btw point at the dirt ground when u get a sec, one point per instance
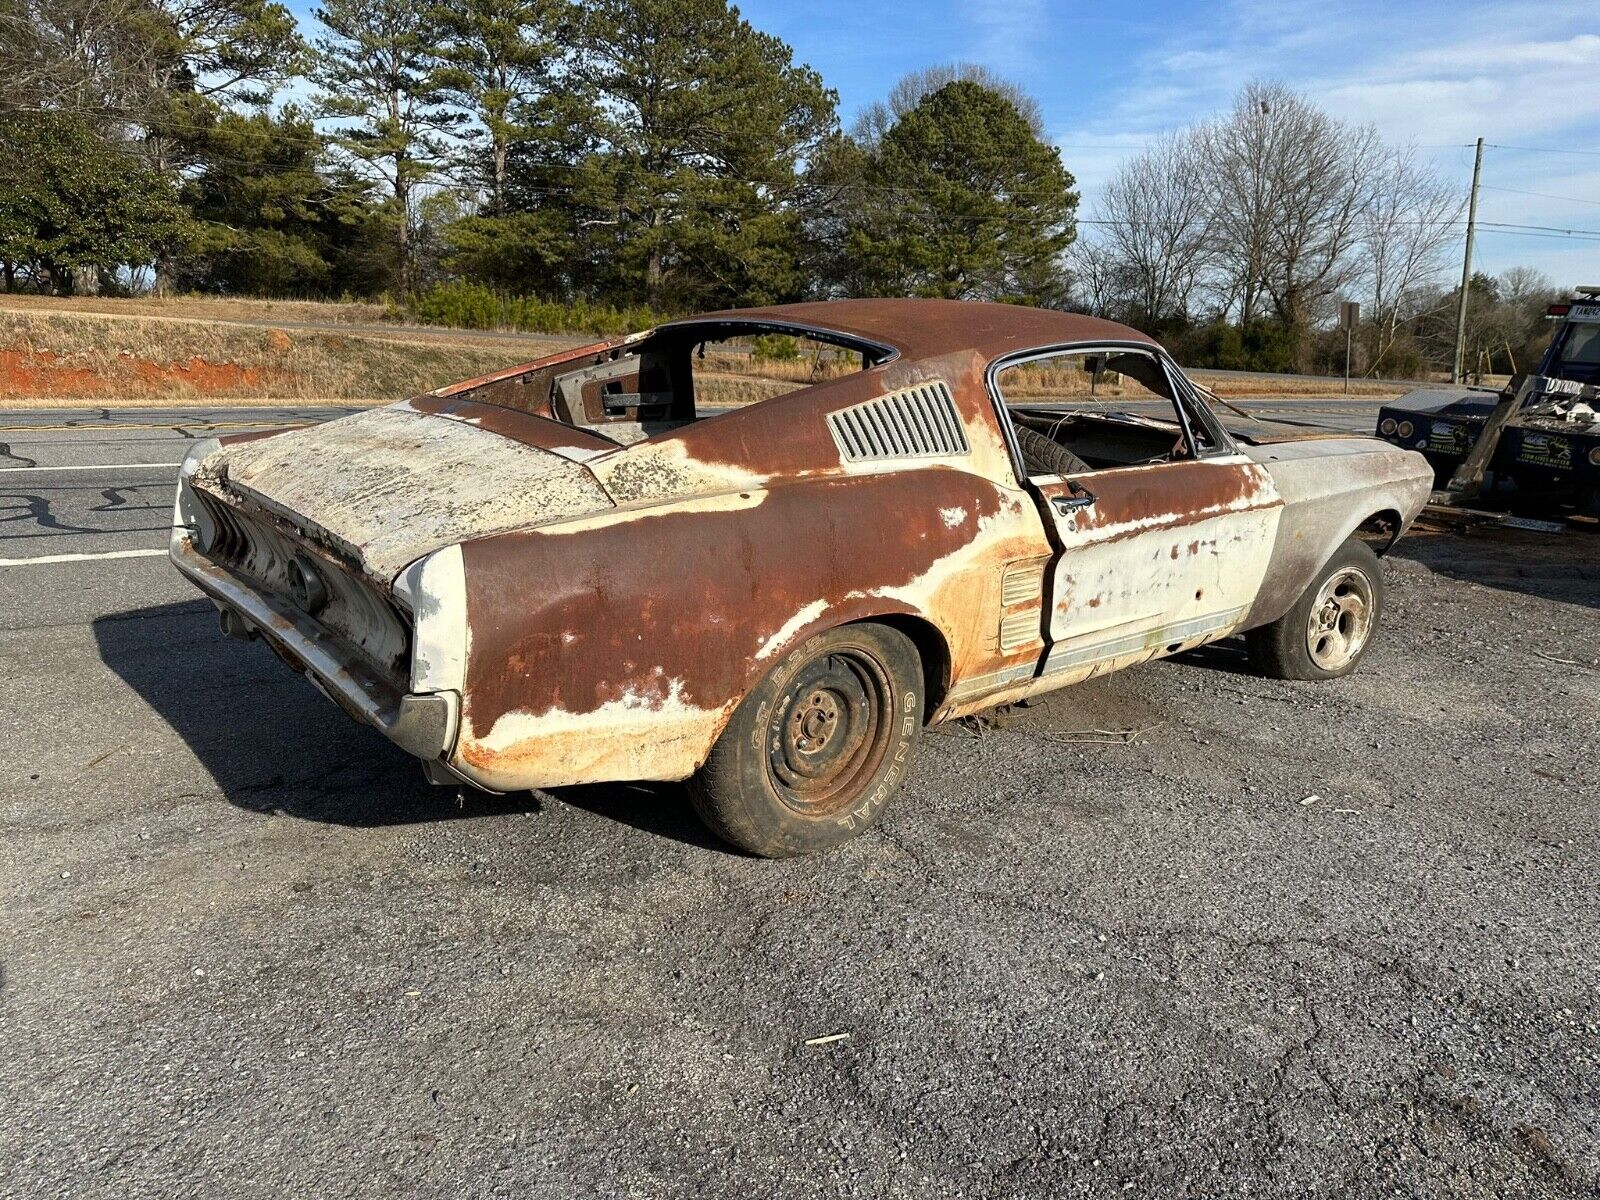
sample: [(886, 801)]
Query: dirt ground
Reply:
[(1289, 940)]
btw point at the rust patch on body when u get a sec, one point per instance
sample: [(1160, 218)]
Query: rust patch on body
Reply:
[(677, 613)]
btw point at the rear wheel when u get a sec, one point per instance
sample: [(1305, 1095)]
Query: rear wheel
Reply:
[(1328, 630), (810, 758)]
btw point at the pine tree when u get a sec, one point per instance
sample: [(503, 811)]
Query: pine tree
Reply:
[(378, 67), (503, 60), (958, 198), (702, 125), (270, 218)]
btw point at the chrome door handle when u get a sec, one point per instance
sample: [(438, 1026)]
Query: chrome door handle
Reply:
[(1081, 497)]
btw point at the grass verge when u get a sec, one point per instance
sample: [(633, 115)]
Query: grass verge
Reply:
[(50, 358)]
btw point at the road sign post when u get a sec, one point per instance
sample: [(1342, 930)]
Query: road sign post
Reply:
[(1349, 318)]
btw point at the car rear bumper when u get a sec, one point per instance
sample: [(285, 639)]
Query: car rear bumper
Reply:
[(423, 725)]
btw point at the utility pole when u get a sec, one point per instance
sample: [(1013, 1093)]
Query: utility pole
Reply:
[(1460, 375)]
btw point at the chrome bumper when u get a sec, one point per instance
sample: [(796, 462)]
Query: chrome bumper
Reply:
[(421, 725)]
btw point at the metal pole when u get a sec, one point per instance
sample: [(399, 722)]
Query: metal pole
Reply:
[(1348, 334), (1460, 375)]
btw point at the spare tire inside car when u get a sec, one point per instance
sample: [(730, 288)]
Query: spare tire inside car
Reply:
[(1045, 456)]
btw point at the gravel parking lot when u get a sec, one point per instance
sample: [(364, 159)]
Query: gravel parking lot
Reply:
[(1290, 939)]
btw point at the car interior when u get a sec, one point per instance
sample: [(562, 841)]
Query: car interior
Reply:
[(680, 374), (1085, 411), (1073, 412)]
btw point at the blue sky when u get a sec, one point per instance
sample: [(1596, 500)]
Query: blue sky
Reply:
[(1110, 76)]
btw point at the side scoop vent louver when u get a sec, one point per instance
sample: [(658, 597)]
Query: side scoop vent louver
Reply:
[(915, 422)]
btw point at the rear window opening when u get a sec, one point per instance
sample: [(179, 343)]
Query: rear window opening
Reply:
[(679, 374), (746, 368), (1581, 346)]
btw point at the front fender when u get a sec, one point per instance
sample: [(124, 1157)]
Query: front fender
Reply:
[(1330, 489)]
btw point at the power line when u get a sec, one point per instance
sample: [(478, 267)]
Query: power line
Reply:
[(1543, 229), (1489, 187), (1542, 150)]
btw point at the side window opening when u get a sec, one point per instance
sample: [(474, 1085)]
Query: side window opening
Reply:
[(1093, 410)]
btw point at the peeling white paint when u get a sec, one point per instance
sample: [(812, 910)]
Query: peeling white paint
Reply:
[(792, 626), (664, 470), (389, 485), (727, 502), (436, 589), (639, 736)]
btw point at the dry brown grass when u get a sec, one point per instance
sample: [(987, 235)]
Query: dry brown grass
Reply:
[(726, 380), (206, 308), (1234, 387), (1043, 380), (198, 349), (50, 358)]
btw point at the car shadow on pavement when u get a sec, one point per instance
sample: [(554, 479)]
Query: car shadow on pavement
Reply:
[(271, 742), (1229, 656), (1563, 567), (661, 809)]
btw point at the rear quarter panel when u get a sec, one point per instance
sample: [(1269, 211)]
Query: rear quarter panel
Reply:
[(616, 646)]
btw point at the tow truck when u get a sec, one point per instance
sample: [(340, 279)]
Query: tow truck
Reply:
[(1533, 446)]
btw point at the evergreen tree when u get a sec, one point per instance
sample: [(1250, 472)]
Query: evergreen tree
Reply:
[(958, 198), (702, 124), (378, 66), (75, 205), (502, 62), (271, 219)]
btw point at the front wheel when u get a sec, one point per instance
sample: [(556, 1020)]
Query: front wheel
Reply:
[(1328, 630), (812, 755)]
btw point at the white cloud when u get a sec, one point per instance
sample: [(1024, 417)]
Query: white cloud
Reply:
[(1515, 73), (1007, 31)]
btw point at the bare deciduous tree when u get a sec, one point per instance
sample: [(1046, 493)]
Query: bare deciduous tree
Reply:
[(877, 117), (1291, 188), (1157, 215), (1412, 218), (1101, 282)]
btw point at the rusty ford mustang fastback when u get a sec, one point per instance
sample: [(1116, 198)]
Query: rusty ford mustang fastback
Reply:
[(571, 571)]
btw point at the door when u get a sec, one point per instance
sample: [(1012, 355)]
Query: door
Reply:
[(1162, 529), (1155, 558)]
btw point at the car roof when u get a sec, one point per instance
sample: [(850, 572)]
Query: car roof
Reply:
[(924, 328)]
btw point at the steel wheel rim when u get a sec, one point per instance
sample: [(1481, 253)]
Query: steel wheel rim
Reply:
[(829, 731), (1341, 619)]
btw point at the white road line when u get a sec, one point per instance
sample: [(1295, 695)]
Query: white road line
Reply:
[(46, 559), (92, 467)]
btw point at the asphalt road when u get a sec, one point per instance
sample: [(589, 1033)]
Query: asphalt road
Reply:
[(1292, 940)]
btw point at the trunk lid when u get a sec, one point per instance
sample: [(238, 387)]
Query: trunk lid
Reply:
[(382, 488)]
